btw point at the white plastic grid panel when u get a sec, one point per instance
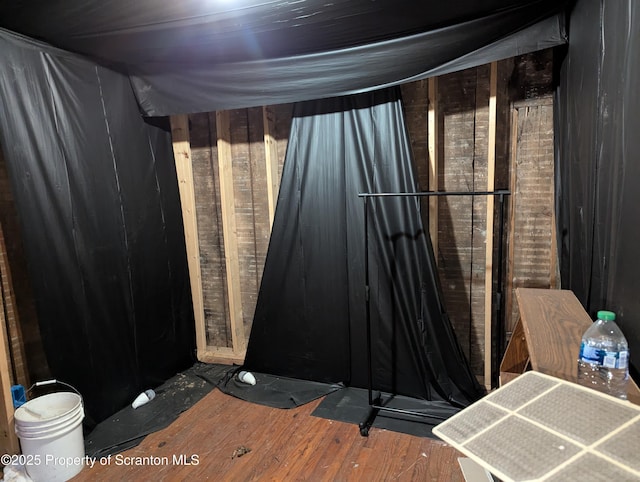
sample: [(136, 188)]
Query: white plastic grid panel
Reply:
[(538, 427)]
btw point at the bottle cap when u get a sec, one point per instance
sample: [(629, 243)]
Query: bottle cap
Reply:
[(606, 315)]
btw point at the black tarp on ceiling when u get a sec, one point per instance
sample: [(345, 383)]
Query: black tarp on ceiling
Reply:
[(598, 152), (196, 56), (310, 316), (96, 193)]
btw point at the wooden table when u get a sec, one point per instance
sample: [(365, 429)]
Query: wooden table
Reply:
[(547, 337)]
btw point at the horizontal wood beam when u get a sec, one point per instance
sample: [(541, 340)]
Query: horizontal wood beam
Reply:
[(222, 355)]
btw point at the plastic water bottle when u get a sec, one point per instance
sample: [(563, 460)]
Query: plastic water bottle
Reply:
[(603, 363)]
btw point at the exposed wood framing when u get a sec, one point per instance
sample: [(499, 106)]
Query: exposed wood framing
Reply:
[(438, 108), (488, 272), (531, 237), (222, 355), (16, 342), (235, 165), (509, 288), (8, 439), (271, 159), (182, 155), (553, 261), (225, 161), (432, 142)]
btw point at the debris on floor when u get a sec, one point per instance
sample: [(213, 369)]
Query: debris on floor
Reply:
[(240, 451)]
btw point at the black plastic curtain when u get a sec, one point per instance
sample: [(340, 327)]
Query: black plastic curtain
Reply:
[(96, 193), (598, 147), (310, 315)]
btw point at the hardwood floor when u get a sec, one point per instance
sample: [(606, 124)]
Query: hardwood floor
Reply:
[(207, 443)]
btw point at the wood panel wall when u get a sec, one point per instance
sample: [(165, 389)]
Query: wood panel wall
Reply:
[(461, 141)]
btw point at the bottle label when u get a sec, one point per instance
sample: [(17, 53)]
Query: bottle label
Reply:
[(623, 359), (608, 359)]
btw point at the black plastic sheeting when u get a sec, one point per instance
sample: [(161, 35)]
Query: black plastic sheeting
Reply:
[(162, 91), (276, 392), (598, 148), (195, 56), (96, 192), (95, 186), (149, 31), (351, 405), (129, 426), (310, 315)]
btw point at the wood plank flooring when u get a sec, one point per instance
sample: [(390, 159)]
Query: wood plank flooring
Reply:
[(206, 441)]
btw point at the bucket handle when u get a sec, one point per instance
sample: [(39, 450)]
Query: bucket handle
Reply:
[(53, 381)]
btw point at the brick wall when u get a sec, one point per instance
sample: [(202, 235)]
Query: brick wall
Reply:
[(463, 115), (251, 210)]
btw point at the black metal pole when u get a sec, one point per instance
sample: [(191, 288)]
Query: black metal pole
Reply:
[(376, 405), (499, 294), (367, 301), (499, 192), (367, 422)]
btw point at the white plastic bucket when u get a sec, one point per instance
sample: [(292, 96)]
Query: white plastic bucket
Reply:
[(50, 432)]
